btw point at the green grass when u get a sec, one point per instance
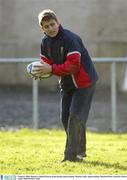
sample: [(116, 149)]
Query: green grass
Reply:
[(39, 152)]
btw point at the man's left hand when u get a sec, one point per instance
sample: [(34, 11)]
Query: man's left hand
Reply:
[(42, 69)]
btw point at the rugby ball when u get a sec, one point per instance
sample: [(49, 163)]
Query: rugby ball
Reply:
[(31, 69)]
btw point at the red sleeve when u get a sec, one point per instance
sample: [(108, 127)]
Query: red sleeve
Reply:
[(71, 65), (45, 59)]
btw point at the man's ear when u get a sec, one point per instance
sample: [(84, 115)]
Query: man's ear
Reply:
[(41, 29), (58, 21)]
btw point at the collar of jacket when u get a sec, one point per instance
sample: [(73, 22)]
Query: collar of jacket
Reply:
[(59, 34)]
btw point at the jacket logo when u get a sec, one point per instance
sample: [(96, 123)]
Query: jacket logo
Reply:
[(61, 50)]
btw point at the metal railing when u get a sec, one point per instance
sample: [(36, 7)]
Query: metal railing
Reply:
[(112, 61)]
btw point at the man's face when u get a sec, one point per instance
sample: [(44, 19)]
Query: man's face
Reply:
[(51, 27)]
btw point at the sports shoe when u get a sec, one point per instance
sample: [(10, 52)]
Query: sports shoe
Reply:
[(81, 155), (76, 159)]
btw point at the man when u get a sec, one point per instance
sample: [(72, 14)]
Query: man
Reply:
[(65, 56)]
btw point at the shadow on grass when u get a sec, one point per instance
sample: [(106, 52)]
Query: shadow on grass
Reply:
[(106, 165)]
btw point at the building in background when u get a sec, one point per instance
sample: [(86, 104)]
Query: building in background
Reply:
[(101, 24)]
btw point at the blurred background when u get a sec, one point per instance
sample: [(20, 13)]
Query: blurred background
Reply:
[(102, 26)]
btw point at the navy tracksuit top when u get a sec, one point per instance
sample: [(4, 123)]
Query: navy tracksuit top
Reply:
[(69, 60)]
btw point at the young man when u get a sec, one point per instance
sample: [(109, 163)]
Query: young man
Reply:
[(65, 56)]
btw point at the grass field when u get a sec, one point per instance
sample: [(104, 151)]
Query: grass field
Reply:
[(39, 152)]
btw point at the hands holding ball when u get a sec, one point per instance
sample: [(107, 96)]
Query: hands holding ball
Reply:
[(39, 70)]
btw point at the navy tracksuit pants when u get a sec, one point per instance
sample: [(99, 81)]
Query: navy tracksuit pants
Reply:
[(75, 106)]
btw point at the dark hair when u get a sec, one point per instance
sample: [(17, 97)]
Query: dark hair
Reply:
[(46, 15)]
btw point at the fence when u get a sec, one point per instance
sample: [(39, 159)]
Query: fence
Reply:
[(113, 63)]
